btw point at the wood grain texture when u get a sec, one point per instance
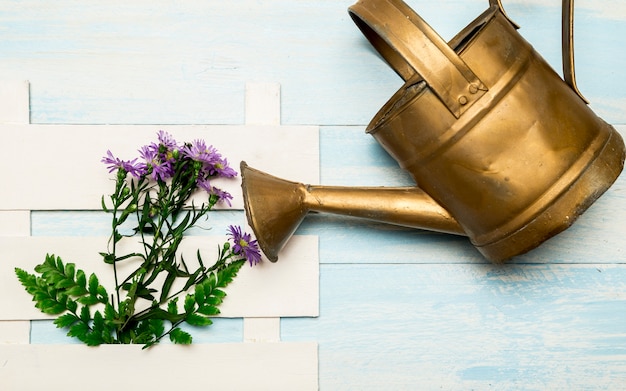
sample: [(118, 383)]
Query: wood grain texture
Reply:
[(277, 366), (163, 62), (293, 291), (60, 182), (399, 309), (462, 327)]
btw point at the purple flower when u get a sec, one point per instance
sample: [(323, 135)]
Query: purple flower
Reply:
[(222, 169), (244, 245), (222, 195), (200, 152), (158, 168), (114, 163), (212, 162), (167, 140)]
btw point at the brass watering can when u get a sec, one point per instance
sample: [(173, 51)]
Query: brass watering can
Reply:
[(502, 149)]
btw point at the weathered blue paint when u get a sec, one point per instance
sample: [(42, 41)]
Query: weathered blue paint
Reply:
[(399, 309)]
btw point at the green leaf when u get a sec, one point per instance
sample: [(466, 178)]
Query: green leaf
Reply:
[(213, 300), (71, 305), (226, 275), (50, 307), (65, 320), (109, 312), (179, 336), (59, 264), (63, 284), (93, 339), (104, 206), (76, 291), (198, 320), (93, 284), (209, 310), (156, 327), (52, 276), (78, 330), (25, 278), (108, 258), (167, 285), (172, 306), (88, 300), (190, 303), (192, 279), (199, 295), (98, 321), (70, 269), (81, 279), (85, 315), (144, 292)]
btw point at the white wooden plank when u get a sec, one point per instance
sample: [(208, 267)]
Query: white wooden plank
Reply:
[(262, 103), (287, 288), (14, 102), (261, 329), (65, 172), (14, 332), (14, 222), (258, 366)]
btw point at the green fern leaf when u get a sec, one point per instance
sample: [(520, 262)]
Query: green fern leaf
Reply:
[(226, 275), (198, 320), (172, 306), (190, 303), (65, 320), (78, 330), (209, 310), (93, 284), (179, 336)]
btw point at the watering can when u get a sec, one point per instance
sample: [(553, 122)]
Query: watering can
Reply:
[(502, 149)]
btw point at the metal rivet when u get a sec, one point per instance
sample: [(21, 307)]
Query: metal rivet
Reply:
[(463, 100), (473, 88)]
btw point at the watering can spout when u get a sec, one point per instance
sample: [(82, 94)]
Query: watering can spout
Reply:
[(275, 207)]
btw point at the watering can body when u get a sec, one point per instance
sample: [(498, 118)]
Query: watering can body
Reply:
[(502, 149), (488, 129)]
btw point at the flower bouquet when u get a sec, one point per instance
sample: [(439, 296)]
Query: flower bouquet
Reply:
[(152, 196)]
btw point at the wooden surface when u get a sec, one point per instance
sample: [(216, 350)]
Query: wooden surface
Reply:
[(398, 309)]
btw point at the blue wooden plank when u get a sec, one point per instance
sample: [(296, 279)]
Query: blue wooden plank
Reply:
[(461, 327), (163, 62), (223, 330)]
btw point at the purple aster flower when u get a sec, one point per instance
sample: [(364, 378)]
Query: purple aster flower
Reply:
[(167, 140), (158, 168), (114, 163), (222, 195), (244, 245), (200, 152), (212, 162), (221, 168)]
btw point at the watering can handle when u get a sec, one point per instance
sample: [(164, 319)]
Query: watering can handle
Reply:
[(567, 50), (449, 77), (436, 57)]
